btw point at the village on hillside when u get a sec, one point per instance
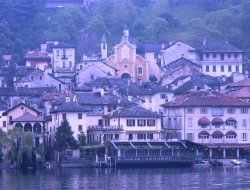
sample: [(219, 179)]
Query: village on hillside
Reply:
[(173, 92)]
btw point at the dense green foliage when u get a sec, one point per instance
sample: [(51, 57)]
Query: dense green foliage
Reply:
[(64, 137), (24, 24)]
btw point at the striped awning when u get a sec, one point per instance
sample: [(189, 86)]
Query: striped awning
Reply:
[(204, 133), (217, 133), (217, 120), (231, 119), (231, 133), (203, 121)]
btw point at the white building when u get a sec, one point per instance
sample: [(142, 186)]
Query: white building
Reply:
[(219, 122)]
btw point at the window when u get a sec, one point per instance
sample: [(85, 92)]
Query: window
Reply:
[(151, 122), (222, 68), (141, 136), (130, 136), (155, 55), (230, 110), (103, 46), (150, 136), (203, 110), (130, 122), (214, 68), (207, 55), (79, 116), (163, 96), (222, 56), (229, 68), (4, 124), (64, 116), (92, 77), (64, 64), (10, 118), (237, 69), (217, 136), (79, 127), (190, 136), (81, 67), (190, 122), (139, 70), (244, 123), (41, 77), (207, 68), (57, 52), (244, 110), (235, 55), (190, 110), (214, 55), (141, 122), (203, 136), (244, 136), (116, 136), (229, 55)]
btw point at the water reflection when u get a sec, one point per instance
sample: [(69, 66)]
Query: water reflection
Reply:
[(132, 179)]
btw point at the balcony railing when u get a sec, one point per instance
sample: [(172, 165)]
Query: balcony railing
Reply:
[(219, 127), (105, 128)]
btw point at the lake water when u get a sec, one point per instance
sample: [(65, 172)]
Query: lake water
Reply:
[(128, 179)]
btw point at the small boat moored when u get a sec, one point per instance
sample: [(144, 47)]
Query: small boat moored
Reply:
[(235, 162)]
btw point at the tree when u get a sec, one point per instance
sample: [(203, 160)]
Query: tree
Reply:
[(3, 142), (82, 139), (158, 29), (64, 137), (9, 76)]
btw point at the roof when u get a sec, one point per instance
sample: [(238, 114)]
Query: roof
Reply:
[(206, 99), (133, 111), (104, 40), (24, 91), (179, 63), (3, 106), (186, 83), (21, 104), (85, 98), (242, 83), (37, 55), (243, 92), (7, 57), (149, 88), (63, 45), (218, 47), (69, 107), (28, 117)]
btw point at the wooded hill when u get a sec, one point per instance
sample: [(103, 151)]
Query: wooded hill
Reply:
[(24, 24)]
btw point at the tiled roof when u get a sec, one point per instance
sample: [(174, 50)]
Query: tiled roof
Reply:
[(179, 63), (28, 117), (133, 111), (53, 96), (63, 45), (218, 47), (7, 57), (3, 106), (243, 92), (98, 99), (206, 99), (24, 91), (150, 88), (198, 82), (242, 83), (38, 55), (21, 104), (69, 107)]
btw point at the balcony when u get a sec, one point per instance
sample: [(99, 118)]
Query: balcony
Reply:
[(105, 128), (220, 127)]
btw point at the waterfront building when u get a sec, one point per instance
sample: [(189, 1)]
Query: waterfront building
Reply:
[(210, 118), (37, 59)]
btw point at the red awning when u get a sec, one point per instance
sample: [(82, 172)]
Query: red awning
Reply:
[(204, 133), (203, 121), (231, 119), (217, 120), (217, 133), (231, 133)]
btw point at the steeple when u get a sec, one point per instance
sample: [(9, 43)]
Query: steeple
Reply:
[(125, 34), (104, 48)]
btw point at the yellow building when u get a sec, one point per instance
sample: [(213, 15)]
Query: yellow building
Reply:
[(127, 62)]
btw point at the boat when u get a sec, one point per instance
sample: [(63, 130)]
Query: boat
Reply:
[(215, 163), (235, 162)]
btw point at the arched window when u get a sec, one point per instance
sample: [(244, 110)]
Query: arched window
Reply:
[(37, 128), (19, 125), (27, 127)]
